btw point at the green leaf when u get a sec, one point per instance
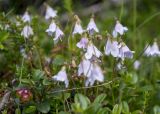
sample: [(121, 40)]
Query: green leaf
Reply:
[(76, 107), (43, 107), (38, 74), (103, 111), (1, 46), (17, 111), (58, 60), (29, 110), (117, 109), (46, 82), (3, 36), (93, 108), (131, 78), (100, 98), (26, 81), (82, 100), (125, 107)]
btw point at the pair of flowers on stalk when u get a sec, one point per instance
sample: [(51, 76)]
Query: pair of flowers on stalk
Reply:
[(27, 30), (89, 65), (26, 18), (152, 50)]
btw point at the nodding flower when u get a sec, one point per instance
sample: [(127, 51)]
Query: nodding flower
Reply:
[(27, 31), (92, 51), (119, 28), (26, 17), (154, 51), (91, 70), (52, 28), (62, 76), (77, 28), (112, 48), (58, 34), (96, 74), (82, 43), (124, 51), (92, 26), (50, 12), (85, 67)]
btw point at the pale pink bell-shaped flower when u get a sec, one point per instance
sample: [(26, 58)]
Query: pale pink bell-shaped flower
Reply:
[(85, 68), (62, 77), (82, 43), (26, 17), (136, 64), (27, 31), (50, 13), (112, 48), (125, 52), (119, 28), (92, 51), (92, 26), (154, 51), (52, 28), (96, 74), (58, 34)]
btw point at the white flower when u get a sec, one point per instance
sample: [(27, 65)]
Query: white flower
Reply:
[(112, 48), (62, 77), (92, 51), (90, 70), (96, 74), (58, 34), (52, 28), (82, 43), (125, 52), (26, 17), (77, 29), (147, 50), (136, 64), (154, 51), (92, 26), (85, 68), (27, 31), (119, 28), (50, 13)]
